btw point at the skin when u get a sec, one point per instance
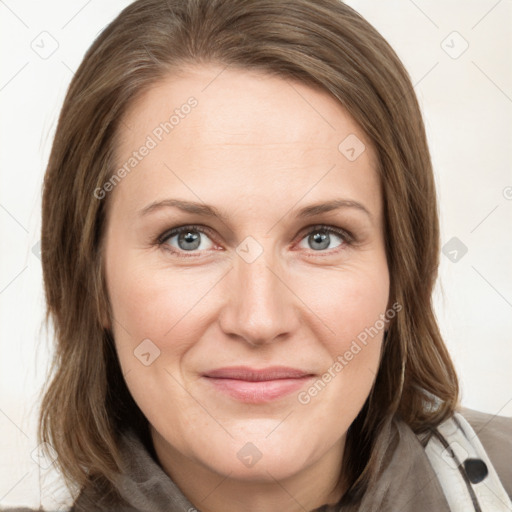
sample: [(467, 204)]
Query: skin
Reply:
[(258, 148)]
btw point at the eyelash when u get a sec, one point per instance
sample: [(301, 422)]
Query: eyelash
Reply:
[(346, 236)]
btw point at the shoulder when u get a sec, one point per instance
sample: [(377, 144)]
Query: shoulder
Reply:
[(28, 509), (470, 453), (495, 434)]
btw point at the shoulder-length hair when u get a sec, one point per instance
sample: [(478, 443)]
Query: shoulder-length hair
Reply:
[(322, 43)]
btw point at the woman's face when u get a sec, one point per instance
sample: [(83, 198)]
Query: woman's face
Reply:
[(263, 284)]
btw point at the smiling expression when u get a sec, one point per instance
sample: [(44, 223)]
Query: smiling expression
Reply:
[(280, 263)]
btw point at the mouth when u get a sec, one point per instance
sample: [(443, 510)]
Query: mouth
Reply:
[(254, 386)]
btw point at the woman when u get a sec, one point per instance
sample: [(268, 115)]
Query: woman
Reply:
[(240, 242)]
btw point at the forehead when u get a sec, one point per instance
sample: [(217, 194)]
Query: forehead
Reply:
[(247, 130)]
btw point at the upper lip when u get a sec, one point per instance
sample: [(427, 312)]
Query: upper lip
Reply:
[(255, 375)]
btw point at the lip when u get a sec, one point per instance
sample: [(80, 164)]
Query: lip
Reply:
[(251, 385)]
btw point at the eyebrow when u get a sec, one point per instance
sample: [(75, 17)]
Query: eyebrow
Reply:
[(211, 211)]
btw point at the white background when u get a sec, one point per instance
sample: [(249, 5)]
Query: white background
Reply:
[(467, 105)]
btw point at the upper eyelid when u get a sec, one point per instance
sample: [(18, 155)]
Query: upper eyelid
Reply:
[(176, 231), (208, 231)]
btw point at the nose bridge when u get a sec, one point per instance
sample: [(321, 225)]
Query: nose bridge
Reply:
[(259, 306)]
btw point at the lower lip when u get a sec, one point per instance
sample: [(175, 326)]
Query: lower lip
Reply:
[(258, 392)]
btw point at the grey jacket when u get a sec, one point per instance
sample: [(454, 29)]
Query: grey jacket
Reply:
[(412, 474)]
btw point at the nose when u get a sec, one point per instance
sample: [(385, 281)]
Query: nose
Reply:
[(260, 306)]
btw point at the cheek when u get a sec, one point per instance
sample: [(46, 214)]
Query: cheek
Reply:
[(164, 305), (351, 302), (353, 307), (154, 313), (357, 310)]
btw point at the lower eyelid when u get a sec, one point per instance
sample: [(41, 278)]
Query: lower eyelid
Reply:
[(345, 236)]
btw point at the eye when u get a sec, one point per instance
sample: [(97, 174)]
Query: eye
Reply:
[(320, 237), (187, 239), (194, 239)]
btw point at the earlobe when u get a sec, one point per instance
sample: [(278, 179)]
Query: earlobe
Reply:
[(104, 314), (103, 303), (105, 323)]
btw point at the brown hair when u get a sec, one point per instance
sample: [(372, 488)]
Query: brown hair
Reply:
[(322, 43)]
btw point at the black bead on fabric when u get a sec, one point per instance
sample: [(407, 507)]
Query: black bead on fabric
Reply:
[(476, 469)]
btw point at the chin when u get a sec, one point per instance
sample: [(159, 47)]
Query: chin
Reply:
[(260, 459)]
